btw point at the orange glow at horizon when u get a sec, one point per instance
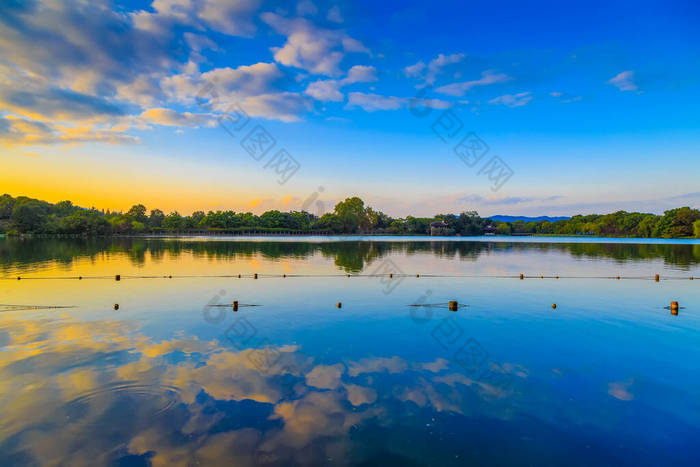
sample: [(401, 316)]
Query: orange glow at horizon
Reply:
[(118, 185)]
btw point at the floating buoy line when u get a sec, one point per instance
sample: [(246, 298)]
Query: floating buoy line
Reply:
[(4, 307), (452, 305), (391, 275)]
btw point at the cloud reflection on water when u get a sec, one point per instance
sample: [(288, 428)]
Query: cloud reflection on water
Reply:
[(67, 398)]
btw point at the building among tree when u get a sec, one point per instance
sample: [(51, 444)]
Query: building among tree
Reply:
[(438, 228)]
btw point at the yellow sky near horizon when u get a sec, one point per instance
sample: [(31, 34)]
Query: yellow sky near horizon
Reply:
[(106, 183)]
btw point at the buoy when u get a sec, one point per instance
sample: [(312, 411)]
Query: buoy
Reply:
[(339, 305), (19, 278), (691, 278), (521, 277), (390, 275), (348, 275), (554, 306), (453, 305), (255, 276), (674, 305), (284, 275), (118, 277), (116, 306), (235, 305), (656, 278), (80, 278), (617, 277), (556, 277), (541, 277), (170, 277), (239, 276), (417, 275)]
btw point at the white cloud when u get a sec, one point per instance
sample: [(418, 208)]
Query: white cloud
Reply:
[(232, 17), (15, 131), (143, 90), (329, 90), (487, 77), (325, 90), (334, 14), (432, 69), (169, 117), (373, 102), (513, 100), (85, 66), (624, 81), (284, 106), (414, 71), (316, 50), (251, 79), (228, 83), (361, 74)]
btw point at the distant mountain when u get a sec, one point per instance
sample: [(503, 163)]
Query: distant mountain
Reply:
[(527, 219)]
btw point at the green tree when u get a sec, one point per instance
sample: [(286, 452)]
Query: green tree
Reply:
[(64, 208), (329, 222), (137, 213), (271, 219), (352, 214), (7, 202), (155, 220), (84, 221), (174, 222), (196, 218), (647, 225), (696, 228), (503, 228), (677, 223), (28, 216)]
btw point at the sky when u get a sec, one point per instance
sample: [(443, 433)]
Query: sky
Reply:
[(420, 108)]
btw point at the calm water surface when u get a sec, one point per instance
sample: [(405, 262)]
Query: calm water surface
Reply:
[(176, 377)]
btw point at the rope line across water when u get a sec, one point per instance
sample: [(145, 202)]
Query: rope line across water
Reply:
[(388, 276)]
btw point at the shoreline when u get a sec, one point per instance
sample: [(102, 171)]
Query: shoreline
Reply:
[(311, 238)]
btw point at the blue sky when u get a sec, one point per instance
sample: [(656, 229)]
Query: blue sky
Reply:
[(589, 106)]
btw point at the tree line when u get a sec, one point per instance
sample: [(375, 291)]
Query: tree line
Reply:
[(23, 215), (675, 223)]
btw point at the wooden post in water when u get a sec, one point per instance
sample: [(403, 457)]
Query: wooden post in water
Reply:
[(235, 305), (656, 278)]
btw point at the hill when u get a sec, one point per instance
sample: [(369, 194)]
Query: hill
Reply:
[(501, 218)]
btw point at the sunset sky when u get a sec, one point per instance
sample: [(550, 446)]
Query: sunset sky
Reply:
[(593, 107)]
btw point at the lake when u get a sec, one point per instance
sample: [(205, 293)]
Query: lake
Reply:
[(330, 361)]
